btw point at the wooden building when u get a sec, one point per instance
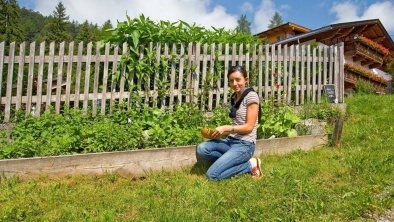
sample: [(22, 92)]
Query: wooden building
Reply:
[(367, 45), (282, 32)]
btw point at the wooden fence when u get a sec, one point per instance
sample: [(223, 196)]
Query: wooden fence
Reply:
[(174, 74)]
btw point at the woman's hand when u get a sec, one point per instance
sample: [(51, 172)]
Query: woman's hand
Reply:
[(221, 130)]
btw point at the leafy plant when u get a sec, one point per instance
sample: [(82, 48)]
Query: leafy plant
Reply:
[(364, 87), (277, 120)]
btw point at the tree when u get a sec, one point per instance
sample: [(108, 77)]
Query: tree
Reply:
[(104, 29), (56, 28), (243, 25), (32, 25), (10, 29), (275, 21), (88, 33)]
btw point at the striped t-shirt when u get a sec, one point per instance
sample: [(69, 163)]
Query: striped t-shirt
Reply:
[(240, 118)]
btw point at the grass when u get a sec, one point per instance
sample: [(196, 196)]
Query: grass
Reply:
[(329, 184)]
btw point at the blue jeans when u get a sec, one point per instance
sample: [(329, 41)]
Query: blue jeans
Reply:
[(229, 156)]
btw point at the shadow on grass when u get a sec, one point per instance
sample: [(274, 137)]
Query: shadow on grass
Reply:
[(200, 168)]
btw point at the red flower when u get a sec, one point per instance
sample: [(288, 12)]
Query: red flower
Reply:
[(365, 72), (373, 44)]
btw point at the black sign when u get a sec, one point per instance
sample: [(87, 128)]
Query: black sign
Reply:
[(329, 90)]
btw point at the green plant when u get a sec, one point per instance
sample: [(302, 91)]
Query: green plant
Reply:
[(364, 87), (277, 120)]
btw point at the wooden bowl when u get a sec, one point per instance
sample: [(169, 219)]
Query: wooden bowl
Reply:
[(207, 133)]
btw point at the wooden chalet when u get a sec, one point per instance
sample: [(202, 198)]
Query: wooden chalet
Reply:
[(367, 46), (282, 32)]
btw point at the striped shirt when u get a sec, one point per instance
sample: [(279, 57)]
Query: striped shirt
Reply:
[(240, 117)]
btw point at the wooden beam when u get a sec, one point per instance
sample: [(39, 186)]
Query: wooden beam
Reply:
[(361, 29), (347, 32), (375, 65), (379, 39), (331, 36), (366, 62)]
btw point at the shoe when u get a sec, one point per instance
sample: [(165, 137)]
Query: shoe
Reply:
[(256, 170)]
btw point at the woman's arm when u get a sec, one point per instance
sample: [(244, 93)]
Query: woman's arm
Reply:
[(251, 117)]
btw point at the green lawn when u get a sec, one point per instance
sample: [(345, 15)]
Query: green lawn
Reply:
[(327, 184)]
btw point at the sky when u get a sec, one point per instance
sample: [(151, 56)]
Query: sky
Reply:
[(312, 14)]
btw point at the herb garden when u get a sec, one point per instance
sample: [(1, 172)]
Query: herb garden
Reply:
[(154, 95)]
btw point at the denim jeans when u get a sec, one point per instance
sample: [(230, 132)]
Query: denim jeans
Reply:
[(229, 156)]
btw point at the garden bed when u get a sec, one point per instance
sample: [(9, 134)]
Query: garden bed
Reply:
[(137, 162)]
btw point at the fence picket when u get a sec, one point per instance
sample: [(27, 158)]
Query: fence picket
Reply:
[(266, 83), (78, 77), (272, 76), (30, 76), (297, 77), (218, 83), (260, 72), (180, 81), (331, 61), (172, 80), (105, 79), (96, 79), (123, 74), (302, 74), (69, 72), (50, 74), (7, 111), (290, 77), (314, 76), (19, 84), (308, 72), (39, 78), (113, 78), (225, 85), (325, 61), (189, 84), (211, 74), (319, 77), (87, 78), (204, 77), (59, 77), (285, 72)]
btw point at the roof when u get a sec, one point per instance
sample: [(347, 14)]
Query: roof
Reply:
[(280, 28), (372, 29)]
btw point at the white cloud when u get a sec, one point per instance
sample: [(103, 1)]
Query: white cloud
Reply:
[(348, 11), (247, 7), (98, 11), (263, 16)]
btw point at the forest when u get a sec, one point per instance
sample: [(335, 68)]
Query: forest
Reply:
[(18, 24)]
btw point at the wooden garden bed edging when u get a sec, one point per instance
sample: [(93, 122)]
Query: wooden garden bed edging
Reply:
[(137, 162)]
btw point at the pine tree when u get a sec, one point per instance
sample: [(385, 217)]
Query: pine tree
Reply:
[(104, 29), (275, 21), (10, 29), (243, 25), (88, 33), (56, 28)]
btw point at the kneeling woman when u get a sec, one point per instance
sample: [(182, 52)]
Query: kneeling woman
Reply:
[(233, 155)]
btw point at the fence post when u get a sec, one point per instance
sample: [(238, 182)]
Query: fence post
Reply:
[(341, 73)]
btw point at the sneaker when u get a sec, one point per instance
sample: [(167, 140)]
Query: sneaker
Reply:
[(256, 170)]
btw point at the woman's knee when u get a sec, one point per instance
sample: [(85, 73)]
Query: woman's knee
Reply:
[(201, 149)]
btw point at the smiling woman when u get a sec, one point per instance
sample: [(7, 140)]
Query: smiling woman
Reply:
[(233, 155)]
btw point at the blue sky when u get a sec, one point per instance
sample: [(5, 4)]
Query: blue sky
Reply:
[(224, 13)]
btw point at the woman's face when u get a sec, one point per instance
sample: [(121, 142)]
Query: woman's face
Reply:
[(237, 81)]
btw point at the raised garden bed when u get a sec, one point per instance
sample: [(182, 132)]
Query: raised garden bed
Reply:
[(138, 162)]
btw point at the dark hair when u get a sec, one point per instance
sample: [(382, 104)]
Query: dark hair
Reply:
[(238, 68)]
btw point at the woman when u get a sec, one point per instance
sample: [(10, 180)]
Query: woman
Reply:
[(232, 155)]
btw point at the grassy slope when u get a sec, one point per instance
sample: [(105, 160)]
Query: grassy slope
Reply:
[(327, 184)]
